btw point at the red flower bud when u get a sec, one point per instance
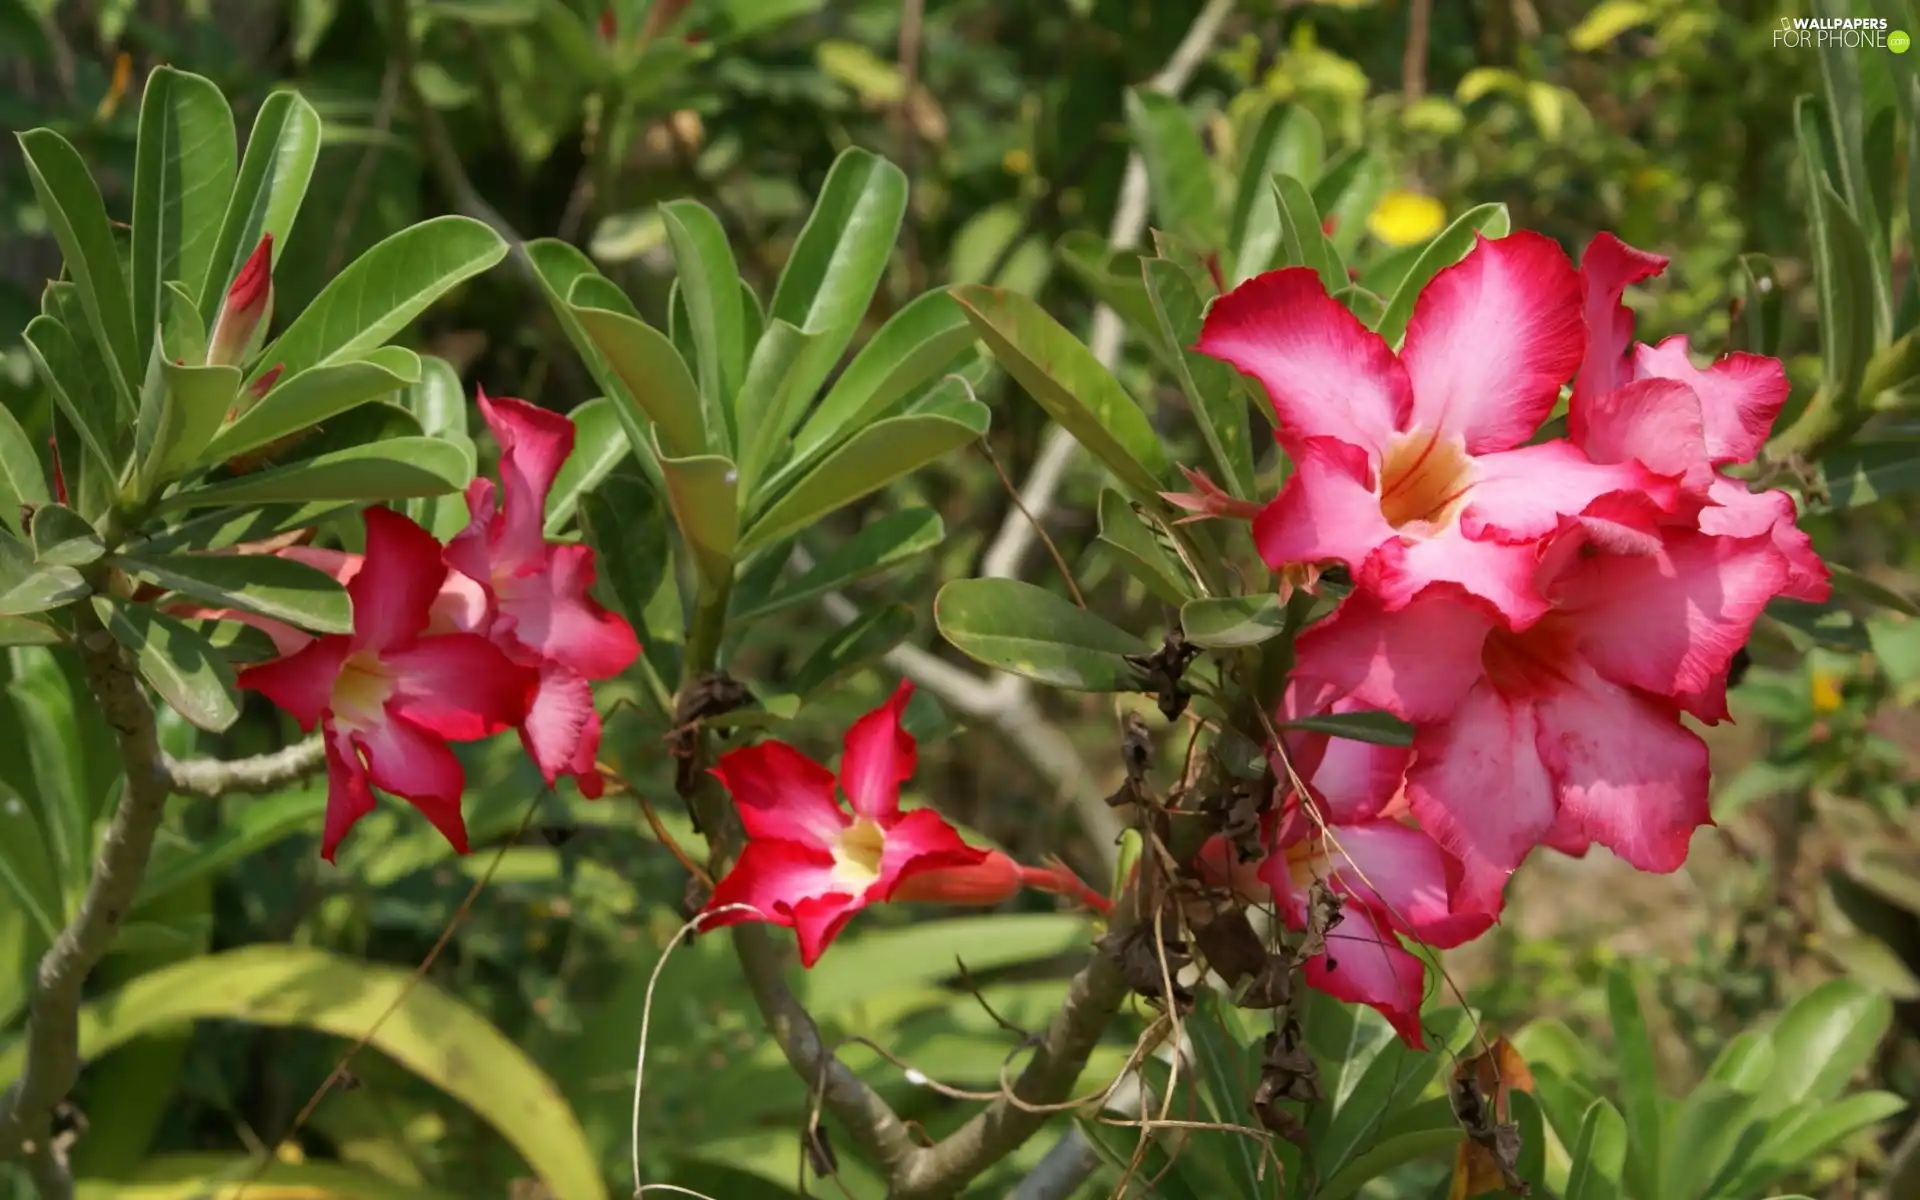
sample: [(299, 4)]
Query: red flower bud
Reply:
[(242, 323), (1208, 500), (59, 476), (609, 24)]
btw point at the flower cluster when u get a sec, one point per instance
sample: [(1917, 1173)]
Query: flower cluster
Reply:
[(494, 631), (1541, 611)]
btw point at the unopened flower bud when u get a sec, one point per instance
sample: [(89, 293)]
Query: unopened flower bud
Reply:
[(242, 323), (1208, 499)]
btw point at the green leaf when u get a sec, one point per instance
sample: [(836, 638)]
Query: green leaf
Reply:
[(1710, 1123), (197, 1176), (1757, 329), (1852, 114), (599, 443), (1306, 243), (1852, 582), (26, 872), (1366, 307), (1452, 244), (243, 831), (183, 174), (1288, 141), (1388, 1154), (44, 588), (896, 960), (628, 528), (850, 648), (382, 291), (1220, 1043), (179, 664), (768, 404), (597, 291), (25, 631), (1639, 1087), (1382, 729), (1843, 275), (429, 1032), (885, 543), (1599, 1156), (1064, 377), (1820, 1041), (1113, 278), (395, 469), (1141, 552), (917, 343), (22, 479), (315, 395), (654, 376), (1212, 387), (1347, 194), (263, 584), (837, 264), (1860, 475), (871, 459), (1028, 631), (709, 282), (78, 216), (62, 537), (65, 375), (181, 408), (1178, 169), (1233, 622), (705, 496), (266, 196), (1797, 1138)]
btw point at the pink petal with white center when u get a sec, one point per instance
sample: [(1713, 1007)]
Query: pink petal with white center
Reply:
[(1418, 663), (562, 730), (1479, 788), (1327, 509), (348, 795), (533, 445), (1737, 511), (1491, 340), (1670, 622), (1626, 773), (781, 793), (1365, 964), (394, 589), (417, 766), (1656, 422), (920, 841), (555, 617), (302, 683), (459, 686), (1498, 573), (1326, 373), (1740, 395), (1402, 874), (1608, 267), (1521, 495), (878, 758)]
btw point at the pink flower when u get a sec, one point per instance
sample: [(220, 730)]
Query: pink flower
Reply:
[(996, 878), (242, 321), (388, 697), (1412, 469), (537, 607), (809, 864), (1568, 731)]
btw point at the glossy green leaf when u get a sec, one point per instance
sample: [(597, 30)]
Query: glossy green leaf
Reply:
[(1305, 241), (1639, 1085), (43, 588), (395, 469), (313, 396), (1212, 387), (628, 527), (93, 417), (78, 218), (1233, 622), (871, 459), (183, 174), (1383, 1157), (1064, 377), (1288, 141), (653, 374), (768, 402), (1113, 278), (705, 496), (429, 1032), (281, 150), (62, 537), (917, 343), (1853, 105), (1028, 631), (1861, 587), (1141, 552), (1821, 1040), (599, 443), (1709, 1124), (26, 631), (709, 282), (203, 1176), (1449, 247), (1179, 173), (382, 291), (852, 647), (1797, 1138), (244, 831), (1599, 1156), (1843, 275), (263, 584), (1228, 1071), (22, 479), (888, 541), (1382, 729), (188, 673), (922, 954), (27, 878), (1860, 475), (597, 291), (181, 408), (837, 265), (1347, 194)]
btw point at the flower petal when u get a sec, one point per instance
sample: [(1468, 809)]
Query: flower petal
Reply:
[(417, 766), (1740, 395), (781, 793), (348, 796), (1626, 773), (1326, 510), (1417, 663), (1520, 495), (1351, 780), (302, 683), (1326, 373), (878, 758), (920, 841), (533, 445), (555, 617), (1365, 964), (1737, 511), (562, 729), (1656, 422), (773, 877), (817, 922), (1402, 874), (1499, 573), (1608, 267), (394, 589), (459, 686), (993, 879), (1491, 340)]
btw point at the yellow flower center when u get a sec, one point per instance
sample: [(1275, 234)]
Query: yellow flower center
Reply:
[(1423, 483), (856, 854), (360, 694)]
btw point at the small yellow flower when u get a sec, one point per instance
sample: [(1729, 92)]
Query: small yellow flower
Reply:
[(1017, 161), (290, 1152), (1404, 218), (1824, 691)]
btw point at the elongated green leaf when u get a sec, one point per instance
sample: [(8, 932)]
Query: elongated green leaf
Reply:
[(1178, 170), (382, 291), (768, 402), (315, 395), (27, 876), (871, 459), (917, 343), (1452, 244), (838, 263), (1027, 630), (245, 831), (1305, 241), (1843, 269), (181, 408), (1856, 97), (63, 537), (1231, 622), (22, 479), (182, 178), (1382, 729), (709, 282), (1140, 551), (257, 583), (1599, 1156), (1391, 1152), (1220, 1043), (26, 631), (188, 673), (628, 527), (391, 470), (202, 1176), (61, 368), (1060, 373), (887, 542), (653, 376), (910, 958), (266, 195), (44, 587), (1113, 278), (1799, 1136), (1212, 387), (848, 649), (705, 495), (599, 443), (1347, 194), (1820, 1041), (1639, 1088), (597, 291), (428, 1032), (1288, 141)]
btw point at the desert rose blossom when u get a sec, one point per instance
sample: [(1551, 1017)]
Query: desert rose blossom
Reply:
[(810, 864), (1568, 731), (1412, 468), (537, 607), (996, 878), (388, 697), (241, 324)]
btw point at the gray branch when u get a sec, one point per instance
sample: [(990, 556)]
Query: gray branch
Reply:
[(247, 776)]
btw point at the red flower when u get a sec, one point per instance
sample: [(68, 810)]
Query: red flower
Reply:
[(537, 607), (388, 697), (242, 322), (809, 864), (995, 878)]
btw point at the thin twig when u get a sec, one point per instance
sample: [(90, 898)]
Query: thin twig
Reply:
[(363, 173), (1413, 64), (1013, 494)]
